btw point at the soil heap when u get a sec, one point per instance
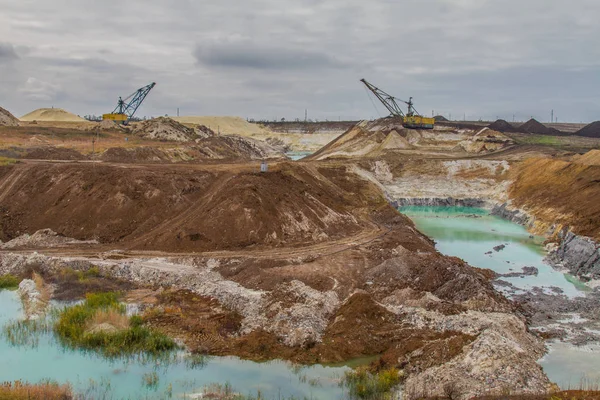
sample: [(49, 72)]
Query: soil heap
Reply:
[(366, 139), (163, 128), (537, 128), (225, 125), (502, 126), (7, 119), (51, 114), (592, 157), (440, 118), (591, 130)]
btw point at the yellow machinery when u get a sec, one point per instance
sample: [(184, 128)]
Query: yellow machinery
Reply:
[(412, 119), (126, 108)]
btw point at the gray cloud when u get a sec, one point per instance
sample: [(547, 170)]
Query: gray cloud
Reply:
[(7, 52), (276, 58), (251, 55)]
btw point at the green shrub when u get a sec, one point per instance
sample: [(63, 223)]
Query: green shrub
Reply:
[(72, 328), (9, 281), (362, 384)]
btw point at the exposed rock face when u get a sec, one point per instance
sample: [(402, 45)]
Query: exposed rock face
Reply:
[(442, 202), (579, 254), (513, 215)]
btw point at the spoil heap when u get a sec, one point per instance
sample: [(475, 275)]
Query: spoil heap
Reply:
[(163, 128), (592, 157), (440, 118), (366, 139), (537, 128), (51, 115), (7, 119), (225, 125), (591, 130), (502, 126)]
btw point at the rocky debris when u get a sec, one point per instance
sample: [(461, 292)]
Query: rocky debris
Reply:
[(486, 140), (34, 302), (499, 248), (579, 254), (109, 125), (508, 213), (502, 126), (440, 118), (592, 130), (441, 202), (537, 128), (7, 119), (237, 147), (44, 238), (503, 355), (163, 128), (526, 271), (204, 132)]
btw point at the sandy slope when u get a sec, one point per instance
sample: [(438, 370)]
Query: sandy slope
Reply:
[(51, 114)]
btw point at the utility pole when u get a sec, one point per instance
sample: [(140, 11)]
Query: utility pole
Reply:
[(178, 111), (305, 115), (552, 116)]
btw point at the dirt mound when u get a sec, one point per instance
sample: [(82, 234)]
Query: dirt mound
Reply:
[(591, 130), (366, 139), (108, 125), (537, 128), (502, 126), (592, 157), (225, 125), (440, 118), (163, 128), (41, 238), (51, 114), (236, 147), (7, 119), (559, 193), (174, 208), (133, 155), (54, 153)]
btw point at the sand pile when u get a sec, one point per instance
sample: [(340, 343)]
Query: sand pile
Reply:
[(502, 126), (592, 157), (537, 128), (51, 114), (7, 119), (591, 130), (225, 125), (163, 128)]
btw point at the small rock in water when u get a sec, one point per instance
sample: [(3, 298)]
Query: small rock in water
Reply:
[(489, 252), (499, 247)]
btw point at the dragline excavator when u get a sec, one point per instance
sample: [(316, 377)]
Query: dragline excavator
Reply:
[(127, 107), (412, 119)]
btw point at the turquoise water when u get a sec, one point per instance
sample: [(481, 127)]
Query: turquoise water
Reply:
[(298, 155), (471, 234), (124, 379)]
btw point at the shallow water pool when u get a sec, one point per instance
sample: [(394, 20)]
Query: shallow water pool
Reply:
[(471, 234), (99, 377)]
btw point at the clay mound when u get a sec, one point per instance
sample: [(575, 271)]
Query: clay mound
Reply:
[(592, 157), (183, 208), (225, 125), (591, 130), (108, 125), (163, 128), (502, 126), (133, 155), (440, 118), (537, 128), (236, 147), (54, 153), (7, 119), (51, 114)]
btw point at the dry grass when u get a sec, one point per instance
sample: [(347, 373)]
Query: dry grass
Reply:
[(25, 391), (109, 316), (44, 289)]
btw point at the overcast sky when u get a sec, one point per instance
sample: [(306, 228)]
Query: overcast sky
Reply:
[(276, 58)]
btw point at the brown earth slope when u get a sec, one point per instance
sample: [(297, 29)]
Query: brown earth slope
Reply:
[(7, 119), (175, 209), (559, 193)]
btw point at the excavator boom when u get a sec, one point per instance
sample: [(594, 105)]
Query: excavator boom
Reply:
[(126, 108)]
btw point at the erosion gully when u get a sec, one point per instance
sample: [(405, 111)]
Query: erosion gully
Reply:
[(487, 241)]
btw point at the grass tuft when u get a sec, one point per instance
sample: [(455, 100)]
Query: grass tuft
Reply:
[(9, 281), (100, 324), (362, 384), (48, 390)]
